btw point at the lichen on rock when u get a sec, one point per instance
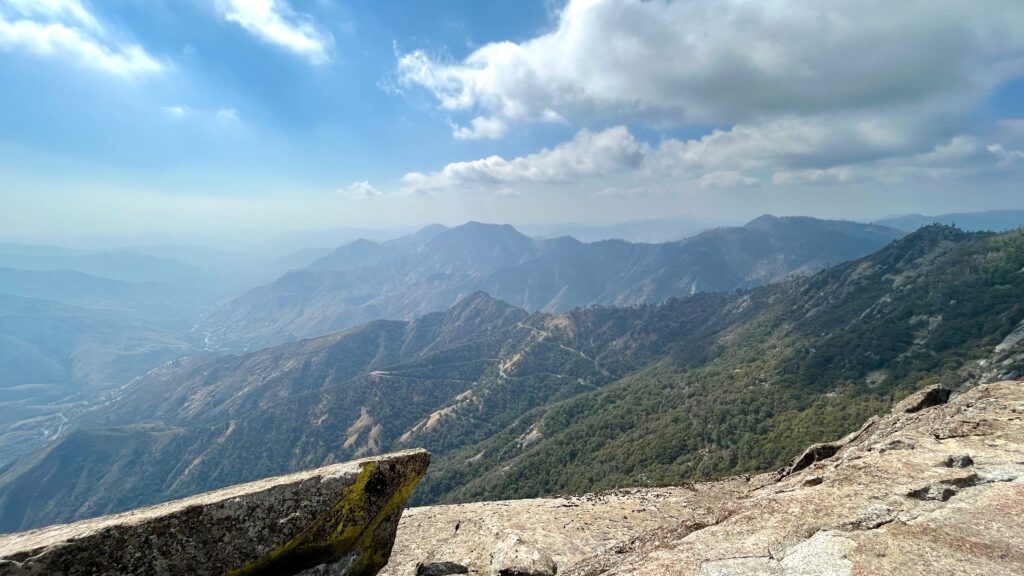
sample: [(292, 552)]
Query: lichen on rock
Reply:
[(338, 520)]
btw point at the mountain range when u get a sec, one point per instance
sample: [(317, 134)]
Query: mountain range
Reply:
[(79, 323), (515, 403), (434, 268), (991, 220)]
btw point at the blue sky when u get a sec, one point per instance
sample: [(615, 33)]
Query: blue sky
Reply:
[(133, 116)]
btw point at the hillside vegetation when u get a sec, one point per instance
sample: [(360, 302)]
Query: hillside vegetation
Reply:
[(514, 404)]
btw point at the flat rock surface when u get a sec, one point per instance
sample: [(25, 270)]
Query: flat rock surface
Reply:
[(351, 508), (938, 491), (932, 489), (566, 529)]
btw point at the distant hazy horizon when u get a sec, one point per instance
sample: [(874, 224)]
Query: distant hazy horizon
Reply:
[(283, 242)]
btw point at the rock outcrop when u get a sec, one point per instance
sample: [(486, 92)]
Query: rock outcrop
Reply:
[(474, 536), (337, 520), (935, 488), (930, 490)]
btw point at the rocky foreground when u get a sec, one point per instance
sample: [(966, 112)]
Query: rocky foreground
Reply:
[(934, 488), (337, 520)]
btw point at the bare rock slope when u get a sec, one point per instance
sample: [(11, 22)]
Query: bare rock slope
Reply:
[(340, 520), (565, 529), (934, 488)]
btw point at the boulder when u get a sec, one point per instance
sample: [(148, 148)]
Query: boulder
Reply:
[(441, 569), (336, 520), (931, 396), (814, 453), (515, 557)]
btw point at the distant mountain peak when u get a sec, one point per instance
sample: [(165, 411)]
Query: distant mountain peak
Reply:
[(363, 242), (475, 227), (476, 299), (762, 220), (990, 220)]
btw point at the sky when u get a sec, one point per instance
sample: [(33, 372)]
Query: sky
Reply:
[(253, 116)]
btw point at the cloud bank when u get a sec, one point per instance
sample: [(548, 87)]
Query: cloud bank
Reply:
[(731, 61), (821, 92)]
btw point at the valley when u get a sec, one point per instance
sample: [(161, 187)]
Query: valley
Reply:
[(517, 404)]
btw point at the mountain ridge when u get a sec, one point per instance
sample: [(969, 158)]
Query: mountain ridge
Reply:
[(518, 404), (553, 275)]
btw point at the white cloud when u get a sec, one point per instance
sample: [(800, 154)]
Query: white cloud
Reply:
[(784, 153), (1006, 157), (208, 115), (960, 157), (275, 22), (588, 154), (481, 127), (227, 114), (726, 179), (360, 191), (793, 142), (61, 10), (66, 28), (835, 175), (177, 111), (733, 61)]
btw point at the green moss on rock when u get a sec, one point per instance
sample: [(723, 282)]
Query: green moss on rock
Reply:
[(347, 531)]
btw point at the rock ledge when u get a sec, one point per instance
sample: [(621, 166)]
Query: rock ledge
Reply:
[(340, 519)]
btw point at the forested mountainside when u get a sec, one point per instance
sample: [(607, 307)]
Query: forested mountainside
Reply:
[(777, 368), (514, 404), (432, 269)]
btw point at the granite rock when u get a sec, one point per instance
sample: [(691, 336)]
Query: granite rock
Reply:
[(567, 529), (514, 556), (336, 520), (933, 490)]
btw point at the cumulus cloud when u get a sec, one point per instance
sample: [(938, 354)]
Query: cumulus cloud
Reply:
[(360, 191), (479, 128), (65, 28), (732, 61), (587, 155), (796, 142), (275, 22), (961, 156), (786, 153)]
